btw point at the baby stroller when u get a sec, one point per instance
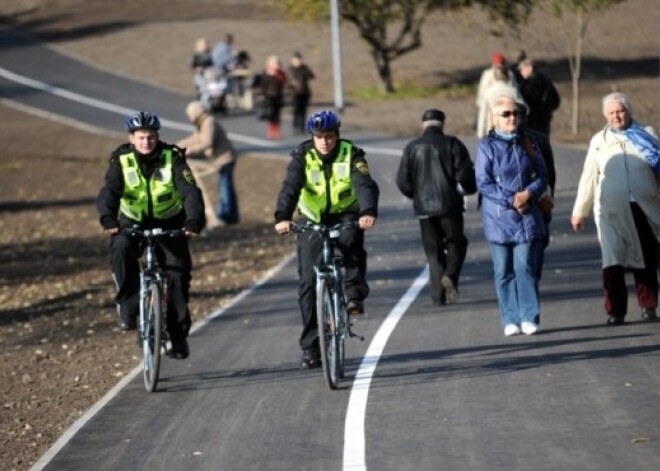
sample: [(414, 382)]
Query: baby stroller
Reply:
[(212, 88)]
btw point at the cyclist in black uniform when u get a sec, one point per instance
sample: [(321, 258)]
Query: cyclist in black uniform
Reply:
[(328, 181), (149, 184)]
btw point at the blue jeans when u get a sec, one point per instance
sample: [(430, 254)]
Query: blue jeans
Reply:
[(227, 201), (516, 281)]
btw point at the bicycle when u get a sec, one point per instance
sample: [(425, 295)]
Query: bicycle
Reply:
[(152, 330), (331, 314)]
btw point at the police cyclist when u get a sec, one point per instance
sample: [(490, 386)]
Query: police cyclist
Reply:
[(148, 184), (328, 182)]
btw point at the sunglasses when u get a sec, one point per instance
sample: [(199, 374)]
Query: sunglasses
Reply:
[(508, 114)]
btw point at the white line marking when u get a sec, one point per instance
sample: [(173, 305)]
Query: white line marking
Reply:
[(354, 435), (121, 110), (87, 416)]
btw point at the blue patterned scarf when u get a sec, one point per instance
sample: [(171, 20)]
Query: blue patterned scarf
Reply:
[(645, 143)]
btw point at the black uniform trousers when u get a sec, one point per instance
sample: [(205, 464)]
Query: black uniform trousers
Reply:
[(310, 245), (174, 258), (445, 246), (300, 104)]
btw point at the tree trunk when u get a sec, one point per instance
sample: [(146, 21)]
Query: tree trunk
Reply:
[(576, 70), (384, 67)]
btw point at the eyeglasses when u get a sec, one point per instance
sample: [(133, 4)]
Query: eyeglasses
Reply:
[(508, 114)]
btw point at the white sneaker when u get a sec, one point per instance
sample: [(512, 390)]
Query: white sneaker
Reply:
[(529, 328), (511, 329)]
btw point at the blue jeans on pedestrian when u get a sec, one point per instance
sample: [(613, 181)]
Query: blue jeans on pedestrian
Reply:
[(227, 200), (516, 281)]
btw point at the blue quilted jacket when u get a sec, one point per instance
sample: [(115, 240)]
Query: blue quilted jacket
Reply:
[(502, 169)]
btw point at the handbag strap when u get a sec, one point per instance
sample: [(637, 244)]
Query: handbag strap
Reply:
[(529, 147)]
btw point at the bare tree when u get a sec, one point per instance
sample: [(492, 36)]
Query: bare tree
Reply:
[(392, 28), (583, 11)]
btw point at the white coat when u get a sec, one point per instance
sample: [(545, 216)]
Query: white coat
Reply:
[(614, 174)]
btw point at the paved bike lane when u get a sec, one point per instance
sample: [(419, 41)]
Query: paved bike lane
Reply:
[(449, 392)]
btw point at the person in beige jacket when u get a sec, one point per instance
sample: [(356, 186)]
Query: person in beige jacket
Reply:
[(620, 186), (209, 150)]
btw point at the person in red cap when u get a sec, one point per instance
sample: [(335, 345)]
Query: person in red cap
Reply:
[(496, 79), (498, 59)]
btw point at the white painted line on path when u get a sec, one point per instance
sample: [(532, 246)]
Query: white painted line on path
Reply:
[(87, 416), (354, 434), (121, 110)]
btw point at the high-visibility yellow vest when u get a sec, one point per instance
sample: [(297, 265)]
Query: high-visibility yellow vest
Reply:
[(321, 196), (157, 197)]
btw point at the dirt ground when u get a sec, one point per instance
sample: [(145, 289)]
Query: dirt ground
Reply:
[(60, 347)]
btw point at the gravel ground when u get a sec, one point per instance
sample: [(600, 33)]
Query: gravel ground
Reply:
[(60, 347)]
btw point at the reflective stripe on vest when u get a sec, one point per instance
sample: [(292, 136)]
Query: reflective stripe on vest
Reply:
[(318, 196), (157, 198)]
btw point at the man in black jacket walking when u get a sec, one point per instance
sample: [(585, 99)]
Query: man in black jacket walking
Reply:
[(436, 173)]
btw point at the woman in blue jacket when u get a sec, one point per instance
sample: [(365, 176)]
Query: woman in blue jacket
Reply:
[(510, 182)]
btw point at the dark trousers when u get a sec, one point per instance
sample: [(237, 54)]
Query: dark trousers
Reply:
[(300, 104), (646, 279), (351, 245), (445, 246), (174, 257)]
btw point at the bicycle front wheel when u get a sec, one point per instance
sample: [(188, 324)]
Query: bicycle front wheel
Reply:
[(341, 332), (328, 338), (151, 336)]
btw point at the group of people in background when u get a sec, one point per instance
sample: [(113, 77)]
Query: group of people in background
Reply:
[(222, 79), (526, 83)]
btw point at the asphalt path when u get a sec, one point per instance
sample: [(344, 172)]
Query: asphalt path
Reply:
[(429, 388)]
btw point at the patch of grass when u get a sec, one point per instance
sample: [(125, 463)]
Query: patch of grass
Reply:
[(6, 167), (408, 91)]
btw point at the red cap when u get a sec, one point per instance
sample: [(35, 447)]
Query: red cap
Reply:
[(497, 59)]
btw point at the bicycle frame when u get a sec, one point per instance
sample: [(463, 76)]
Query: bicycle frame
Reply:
[(331, 315), (152, 332)]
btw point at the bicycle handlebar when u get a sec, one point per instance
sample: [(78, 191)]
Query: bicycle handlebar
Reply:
[(153, 233), (322, 228)]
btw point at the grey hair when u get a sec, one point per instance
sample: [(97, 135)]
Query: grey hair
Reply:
[(497, 103), (617, 97)]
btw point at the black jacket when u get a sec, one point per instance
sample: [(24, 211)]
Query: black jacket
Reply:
[(431, 168), (107, 202), (365, 186), (541, 96)]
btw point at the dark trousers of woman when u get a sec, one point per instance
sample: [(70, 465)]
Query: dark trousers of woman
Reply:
[(310, 244), (646, 279), (300, 104), (174, 257), (445, 246)]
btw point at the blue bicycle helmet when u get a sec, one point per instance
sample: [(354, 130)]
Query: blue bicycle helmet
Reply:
[(143, 120), (323, 121)]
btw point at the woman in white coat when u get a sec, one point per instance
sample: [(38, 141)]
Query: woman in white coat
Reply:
[(621, 187)]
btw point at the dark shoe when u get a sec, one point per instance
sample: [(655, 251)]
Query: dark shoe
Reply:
[(439, 302), (127, 323), (451, 293), (355, 307), (615, 320), (311, 358), (180, 350), (649, 314)]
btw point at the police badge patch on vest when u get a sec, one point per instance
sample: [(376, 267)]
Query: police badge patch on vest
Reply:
[(187, 174), (362, 167)]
